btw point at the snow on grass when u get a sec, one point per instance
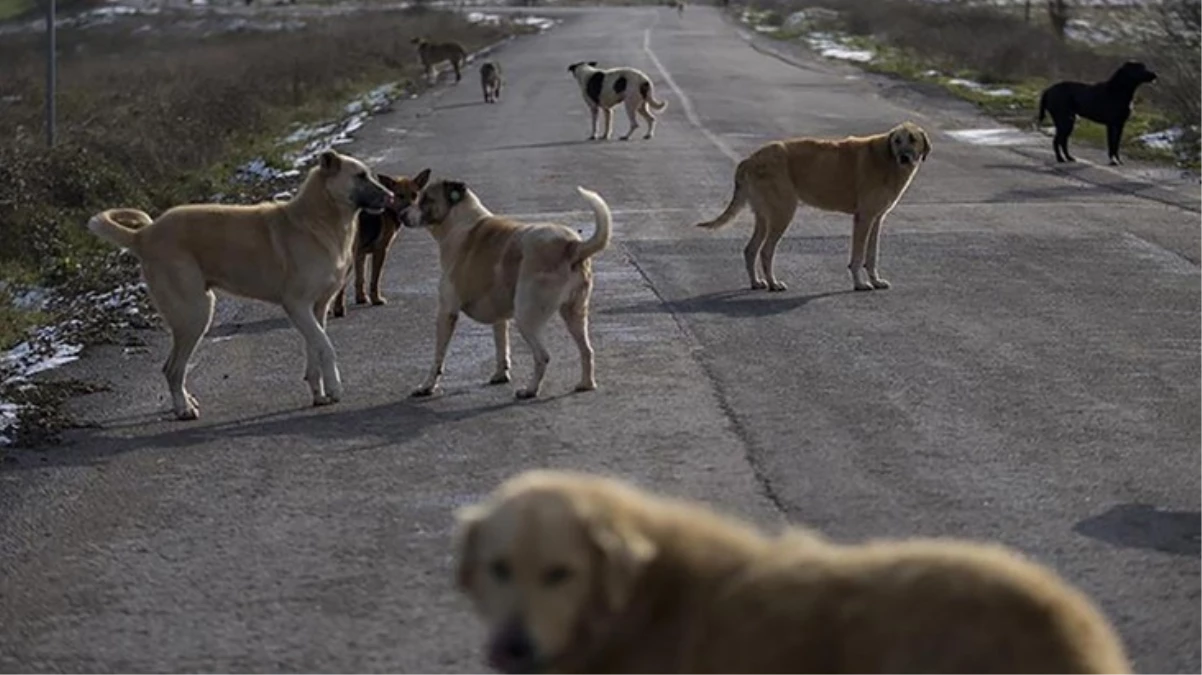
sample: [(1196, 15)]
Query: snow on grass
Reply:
[(977, 86), (999, 136), (833, 46), (1162, 140)]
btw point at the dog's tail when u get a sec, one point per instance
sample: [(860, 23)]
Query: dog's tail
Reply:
[(737, 201), (1043, 106), (105, 226), (600, 239), (649, 96)]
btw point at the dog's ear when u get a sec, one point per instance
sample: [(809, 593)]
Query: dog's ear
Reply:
[(592, 64), (421, 179), (454, 191), (330, 162), (623, 553), (926, 143), (467, 526), (388, 181)]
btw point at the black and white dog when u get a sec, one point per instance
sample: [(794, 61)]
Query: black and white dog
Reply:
[(1106, 103), (604, 89)]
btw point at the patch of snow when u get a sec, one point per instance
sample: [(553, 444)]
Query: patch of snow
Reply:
[(541, 23), (1162, 140), (997, 136), (763, 28), (796, 19), (930, 73), (1083, 31), (486, 19), (832, 47), (977, 86)]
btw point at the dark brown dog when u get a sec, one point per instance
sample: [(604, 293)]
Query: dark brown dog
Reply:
[(374, 235)]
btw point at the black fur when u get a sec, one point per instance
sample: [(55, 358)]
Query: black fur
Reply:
[(371, 225), (645, 89), (620, 84), (592, 88), (1107, 103)]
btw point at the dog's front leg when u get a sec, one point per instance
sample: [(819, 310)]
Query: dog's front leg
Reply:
[(874, 238), (859, 243), (500, 337), (593, 131), (609, 123), (377, 269), (324, 381), (447, 318)]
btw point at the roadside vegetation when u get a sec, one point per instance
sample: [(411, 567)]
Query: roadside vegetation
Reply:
[(163, 109), (1001, 56)]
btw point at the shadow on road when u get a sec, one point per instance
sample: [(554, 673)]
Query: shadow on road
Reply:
[(531, 146), (739, 303), (1147, 527), (248, 328), (452, 106)]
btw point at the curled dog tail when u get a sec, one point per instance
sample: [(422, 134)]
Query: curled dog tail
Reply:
[(649, 96), (105, 226), (600, 239), (1043, 106), (737, 201)]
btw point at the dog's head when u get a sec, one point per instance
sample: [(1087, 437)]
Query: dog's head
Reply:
[(573, 68), (909, 144), (1132, 74), (350, 182), (436, 203), (545, 563), (419, 40), (405, 190)]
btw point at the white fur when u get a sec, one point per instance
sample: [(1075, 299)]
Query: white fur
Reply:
[(631, 96)]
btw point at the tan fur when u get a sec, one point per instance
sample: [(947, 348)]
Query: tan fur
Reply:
[(376, 243), (495, 269), (861, 176), (434, 53), (581, 574), (292, 253), (491, 81)]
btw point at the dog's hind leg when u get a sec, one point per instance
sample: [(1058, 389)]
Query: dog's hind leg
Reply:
[(322, 370), (751, 252), (575, 317), (360, 273), (646, 113), (531, 315), (631, 113), (377, 270), (500, 338), (189, 317), (609, 123), (1064, 129), (777, 222), (873, 255)]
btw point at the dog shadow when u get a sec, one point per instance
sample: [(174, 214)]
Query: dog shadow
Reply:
[(258, 327), (1144, 526), (532, 146), (734, 304), (467, 104)]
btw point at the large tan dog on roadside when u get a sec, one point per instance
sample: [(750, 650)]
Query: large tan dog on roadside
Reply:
[(495, 269), (581, 574), (292, 253), (862, 176)]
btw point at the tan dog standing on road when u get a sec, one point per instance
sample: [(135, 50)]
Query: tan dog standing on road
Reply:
[(433, 53), (861, 176), (604, 89), (292, 253), (494, 269), (490, 81), (374, 234), (581, 574)]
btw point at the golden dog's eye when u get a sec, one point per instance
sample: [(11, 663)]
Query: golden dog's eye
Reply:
[(500, 570), (554, 576)]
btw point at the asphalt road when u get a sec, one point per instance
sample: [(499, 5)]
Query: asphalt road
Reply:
[(1032, 378)]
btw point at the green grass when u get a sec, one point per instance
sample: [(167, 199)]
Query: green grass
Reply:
[(11, 9)]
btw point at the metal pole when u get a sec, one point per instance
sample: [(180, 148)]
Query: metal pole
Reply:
[(51, 68)]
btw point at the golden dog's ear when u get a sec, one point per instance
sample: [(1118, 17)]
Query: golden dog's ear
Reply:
[(624, 553), (330, 162), (467, 524), (421, 179), (926, 144)]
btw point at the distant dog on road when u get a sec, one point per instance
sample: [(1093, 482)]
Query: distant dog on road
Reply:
[(679, 5), (862, 176), (374, 234), (604, 89), (293, 253), (490, 81), (433, 53), (575, 573), (1107, 103), (495, 269)]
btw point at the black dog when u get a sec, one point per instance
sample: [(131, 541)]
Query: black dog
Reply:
[(1106, 103)]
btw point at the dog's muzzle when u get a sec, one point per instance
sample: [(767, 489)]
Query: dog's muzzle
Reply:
[(411, 216), (512, 651)]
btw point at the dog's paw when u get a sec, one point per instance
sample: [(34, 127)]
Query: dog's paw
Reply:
[(879, 283), (424, 391), (525, 394), (777, 286), (338, 312), (586, 386), (360, 299), (863, 286), (648, 137), (325, 399), (379, 300), (188, 414), (759, 285), (500, 378)]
